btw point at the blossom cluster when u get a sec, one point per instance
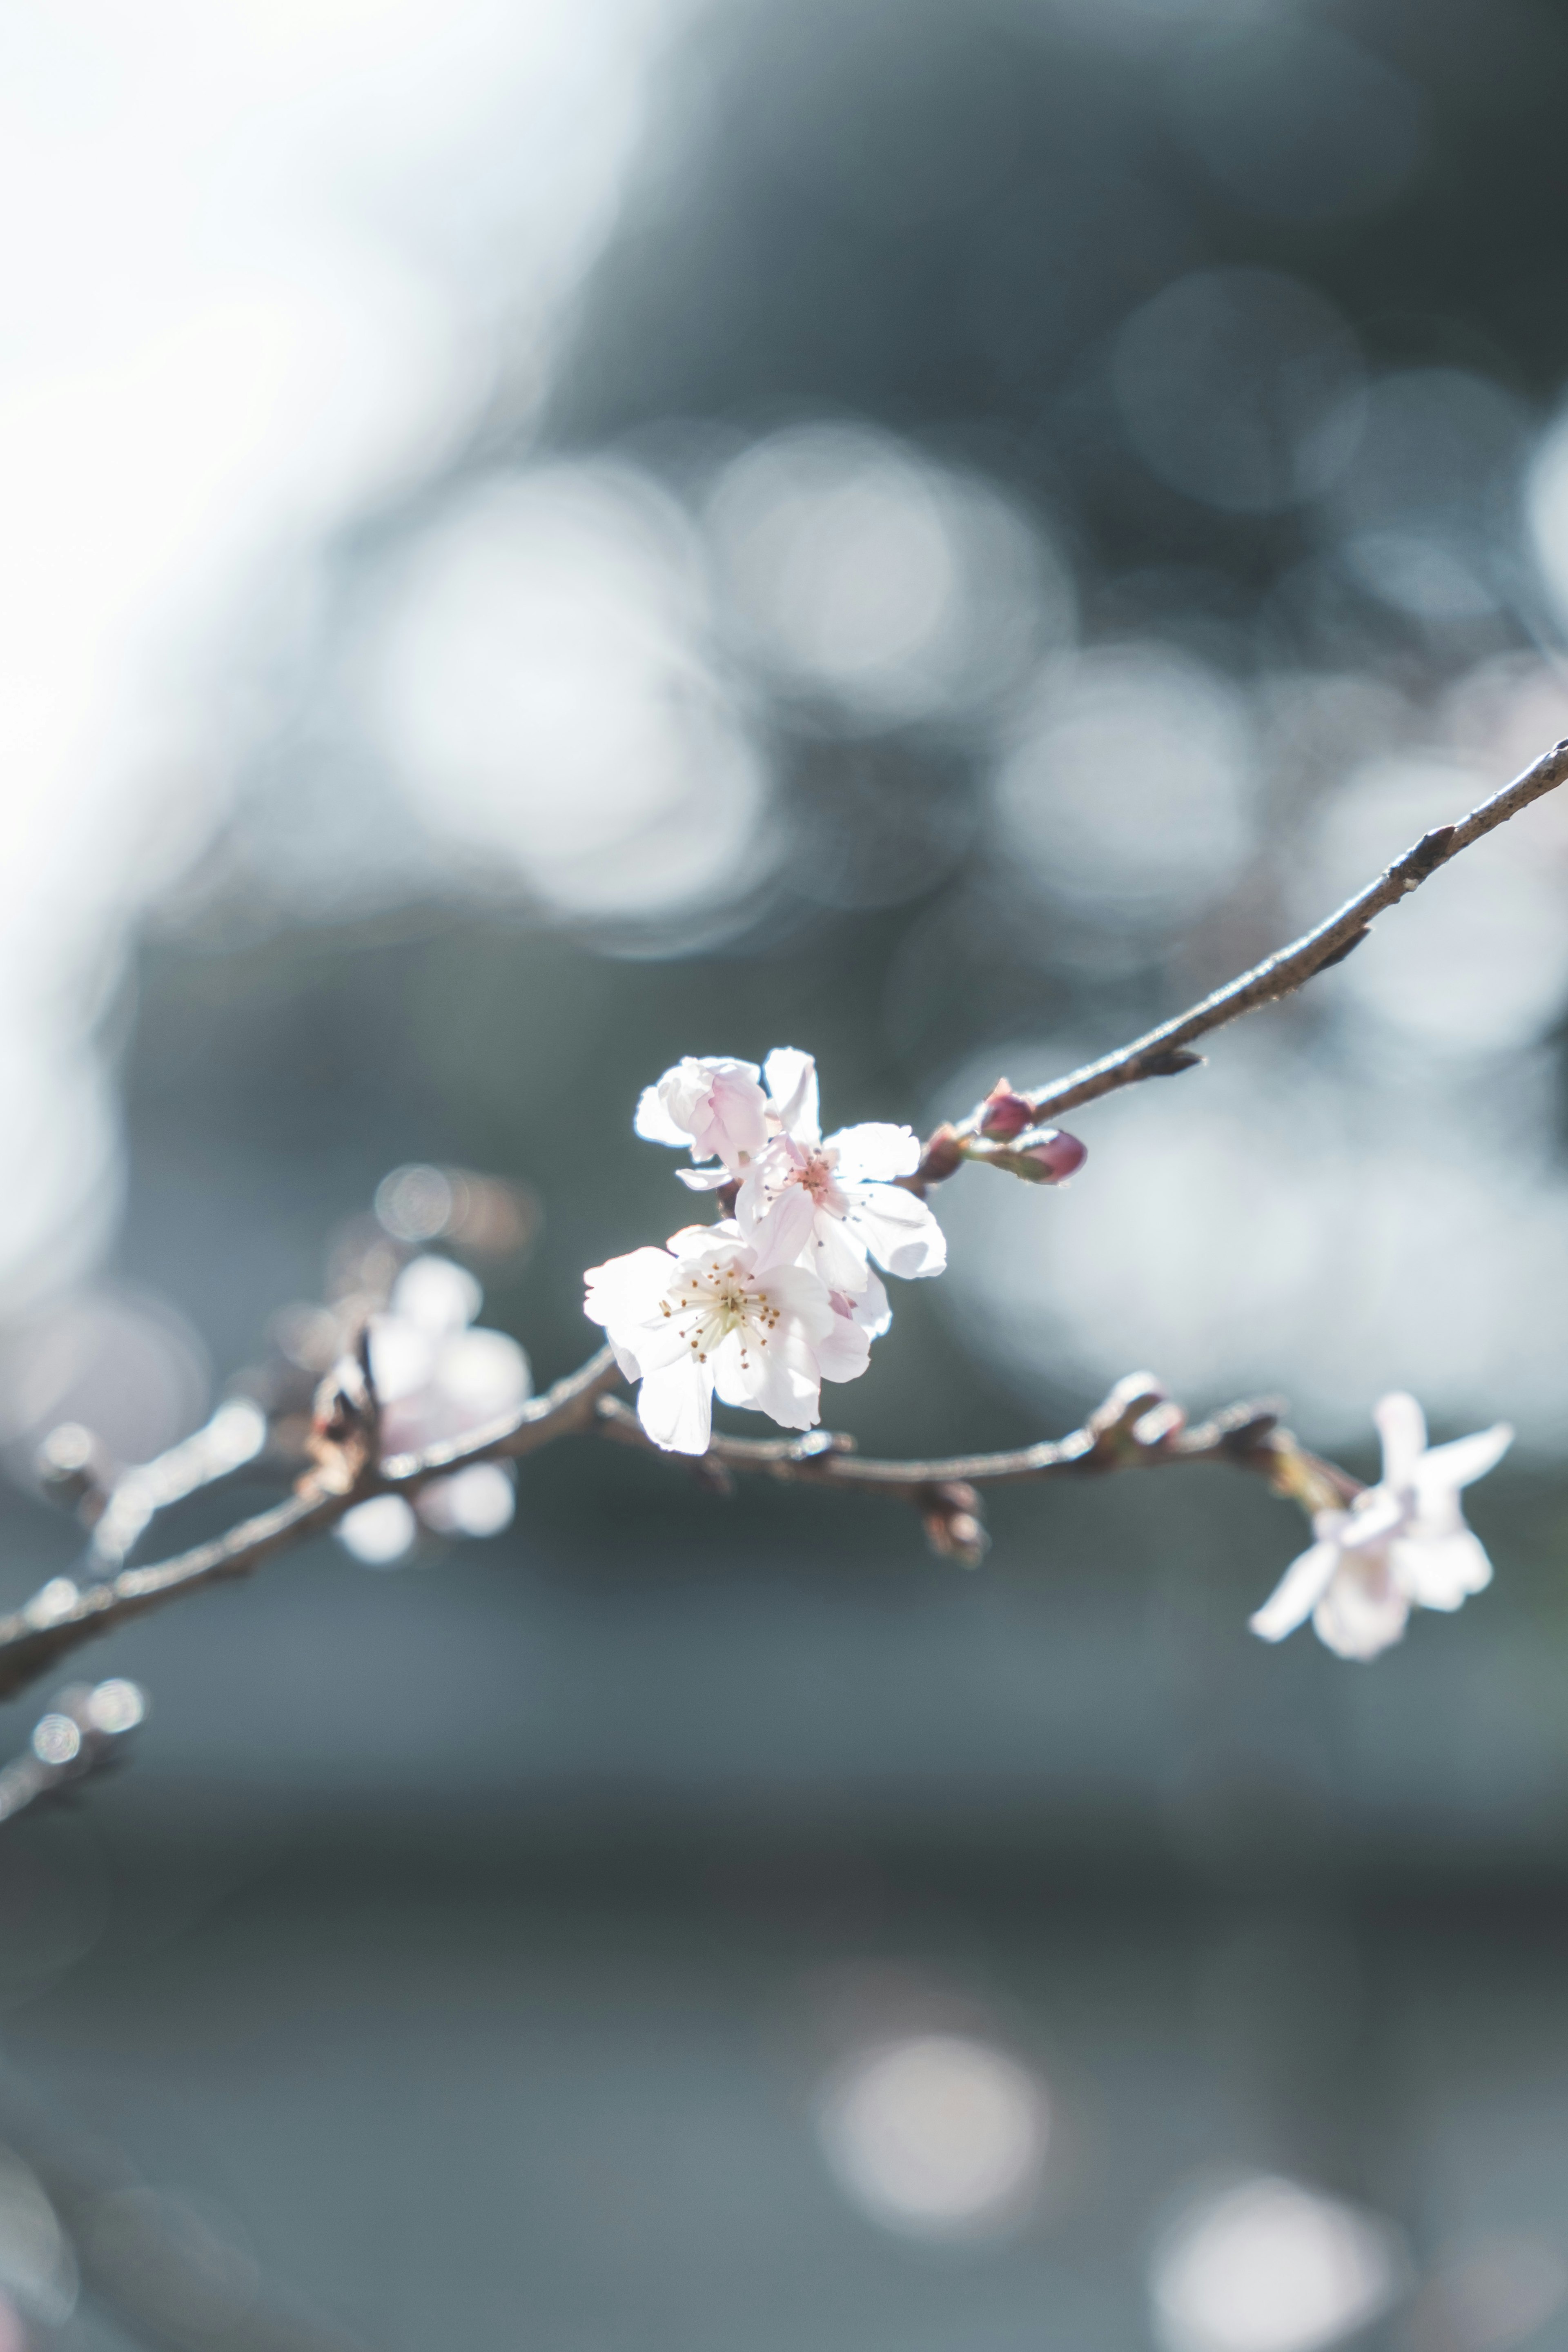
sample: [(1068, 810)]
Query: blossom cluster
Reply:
[(780, 1295)]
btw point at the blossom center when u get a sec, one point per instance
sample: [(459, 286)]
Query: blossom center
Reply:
[(709, 1307), (815, 1176)]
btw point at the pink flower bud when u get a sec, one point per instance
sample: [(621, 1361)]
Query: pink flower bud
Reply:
[(1005, 1114), (1056, 1154)]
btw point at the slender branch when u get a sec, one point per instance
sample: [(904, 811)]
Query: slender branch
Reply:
[(1164, 1051), (59, 1618), (1135, 1427)]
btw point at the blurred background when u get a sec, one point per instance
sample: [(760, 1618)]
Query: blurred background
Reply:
[(545, 535)]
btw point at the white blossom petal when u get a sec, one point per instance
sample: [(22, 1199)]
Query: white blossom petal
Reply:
[(899, 1230), (1402, 1426), (676, 1406), (1465, 1460), (872, 1309), (1441, 1572), (703, 1180), (791, 1078), (837, 1255), (1363, 1612), (875, 1153), (1374, 1517), (730, 1385), (784, 1229), (846, 1353), (1298, 1593), (624, 1289), (718, 1106), (783, 1380), (803, 1298), (652, 1122)]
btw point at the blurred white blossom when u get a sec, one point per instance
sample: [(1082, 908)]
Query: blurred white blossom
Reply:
[(1402, 1545)]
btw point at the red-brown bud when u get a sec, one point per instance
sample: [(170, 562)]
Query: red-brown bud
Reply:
[(943, 1156), (1005, 1114), (1056, 1152), (1041, 1155)]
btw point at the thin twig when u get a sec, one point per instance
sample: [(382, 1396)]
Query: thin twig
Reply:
[(1166, 1050), (1243, 1433), (60, 1618)]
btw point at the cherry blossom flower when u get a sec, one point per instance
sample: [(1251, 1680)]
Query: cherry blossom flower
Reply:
[(832, 1205), (1402, 1545), (437, 1377), (700, 1318), (718, 1107)]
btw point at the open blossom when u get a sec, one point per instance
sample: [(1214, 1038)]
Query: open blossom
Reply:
[(829, 1204), (832, 1205), (699, 1320), (718, 1107), (1404, 1544)]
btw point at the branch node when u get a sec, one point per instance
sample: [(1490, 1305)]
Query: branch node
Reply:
[(345, 1429), (949, 1509), (1346, 947), (1169, 1065)]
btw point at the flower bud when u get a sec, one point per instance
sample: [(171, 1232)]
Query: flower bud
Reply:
[(942, 1157), (1040, 1155), (1005, 1114), (954, 1529), (1056, 1153)]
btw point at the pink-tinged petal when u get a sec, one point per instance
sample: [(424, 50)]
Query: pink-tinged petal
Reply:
[(729, 1120), (1364, 1612), (846, 1353), (705, 1180), (717, 1107), (899, 1230), (1376, 1515), (836, 1256), (676, 1407), (792, 1082), (783, 1230), (1402, 1426), (652, 1120), (1441, 1572), (875, 1154), (1464, 1461), (1298, 1593)]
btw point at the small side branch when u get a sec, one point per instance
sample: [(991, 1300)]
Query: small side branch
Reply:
[(1137, 1428), (60, 1618), (1168, 1049)]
